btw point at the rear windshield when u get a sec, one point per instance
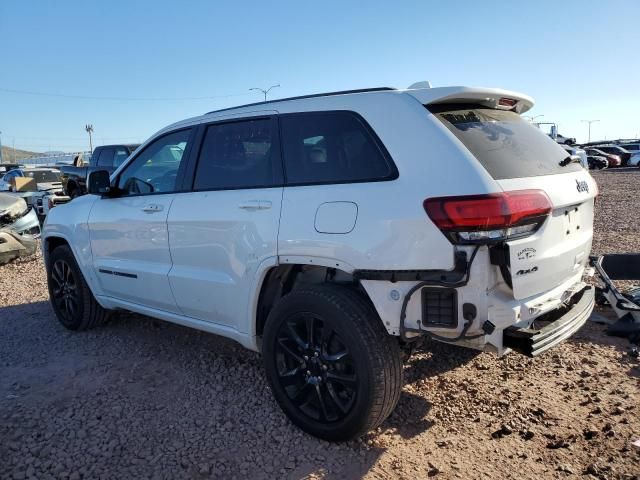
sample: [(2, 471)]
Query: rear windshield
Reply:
[(505, 144), (43, 176)]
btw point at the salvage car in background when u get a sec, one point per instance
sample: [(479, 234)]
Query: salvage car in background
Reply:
[(46, 179), (578, 153), (597, 162), (19, 228), (614, 160), (32, 184), (622, 153), (634, 150), (45, 202)]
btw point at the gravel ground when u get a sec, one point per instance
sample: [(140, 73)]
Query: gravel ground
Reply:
[(139, 398)]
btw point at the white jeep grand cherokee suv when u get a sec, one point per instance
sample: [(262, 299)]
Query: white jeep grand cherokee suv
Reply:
[(330, 231)]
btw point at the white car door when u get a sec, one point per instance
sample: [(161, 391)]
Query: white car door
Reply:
[(129, 237), (227, 226)]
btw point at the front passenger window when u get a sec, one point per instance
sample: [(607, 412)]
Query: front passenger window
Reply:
[(156, 168)]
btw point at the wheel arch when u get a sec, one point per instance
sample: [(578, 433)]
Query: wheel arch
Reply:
[(52, 241), (281, 278)]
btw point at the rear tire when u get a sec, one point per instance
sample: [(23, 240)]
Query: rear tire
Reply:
[(332, 367), (72, 301)]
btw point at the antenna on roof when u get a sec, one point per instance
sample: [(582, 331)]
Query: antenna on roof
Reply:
[(417, 85)]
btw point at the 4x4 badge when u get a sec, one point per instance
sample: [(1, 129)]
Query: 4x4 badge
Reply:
[(582, 186)]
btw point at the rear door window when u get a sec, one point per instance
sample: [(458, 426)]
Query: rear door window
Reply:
[(120, 156), (242, 154), (332, 147), (506, 145), (106, 157)]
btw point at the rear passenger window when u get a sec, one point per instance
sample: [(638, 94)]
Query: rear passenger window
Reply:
[(241, 154), (106, 158), (120, 156), (331, 147)]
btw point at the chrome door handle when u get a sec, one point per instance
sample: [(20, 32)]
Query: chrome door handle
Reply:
[(255, 205), (152, 207)]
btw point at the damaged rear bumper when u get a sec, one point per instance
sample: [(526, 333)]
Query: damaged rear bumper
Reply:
[(533, 342)]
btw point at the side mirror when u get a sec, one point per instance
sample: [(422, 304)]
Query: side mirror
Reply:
[(99, 182)]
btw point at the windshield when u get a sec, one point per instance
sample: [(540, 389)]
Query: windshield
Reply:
[(505, 144), (43, 176)]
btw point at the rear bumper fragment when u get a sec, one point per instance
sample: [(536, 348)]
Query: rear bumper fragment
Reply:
[(533, 342)]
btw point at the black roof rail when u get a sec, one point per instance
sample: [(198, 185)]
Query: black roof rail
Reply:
[(314, 95)]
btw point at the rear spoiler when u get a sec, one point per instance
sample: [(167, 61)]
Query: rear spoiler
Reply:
[(488, 97)]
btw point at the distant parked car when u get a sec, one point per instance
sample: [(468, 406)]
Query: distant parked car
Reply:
[(577, 152), (624, 154), (47, 179), (614, 160), (105, 157), (7, 167), (597, 162), (634, 150), (44, 203), (19, 228)]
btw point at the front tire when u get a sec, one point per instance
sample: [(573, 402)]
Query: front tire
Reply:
[(72, 301), (332, 366)]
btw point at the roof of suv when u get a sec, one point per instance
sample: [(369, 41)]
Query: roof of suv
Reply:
[(488, 97), (425, 95)]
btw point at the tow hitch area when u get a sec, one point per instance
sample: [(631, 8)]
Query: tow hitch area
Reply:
[(554, 327)]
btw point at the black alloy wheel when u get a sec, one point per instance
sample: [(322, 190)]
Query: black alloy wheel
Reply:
[(64, 290), (333, 368), (315, 368)]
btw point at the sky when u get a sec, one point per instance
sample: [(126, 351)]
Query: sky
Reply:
[(132, 67)]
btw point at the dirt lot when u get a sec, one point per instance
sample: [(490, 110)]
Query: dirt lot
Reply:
[(144, 399)]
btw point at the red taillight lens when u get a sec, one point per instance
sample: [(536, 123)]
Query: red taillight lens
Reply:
[(498, 215)]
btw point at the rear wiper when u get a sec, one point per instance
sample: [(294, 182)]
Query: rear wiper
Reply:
[(569, 159)]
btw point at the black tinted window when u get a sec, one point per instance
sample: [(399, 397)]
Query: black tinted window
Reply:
[(106, 157), (506, 145), (239, 155), (120, 156), (156, 169), (331, 147), (43, 176)]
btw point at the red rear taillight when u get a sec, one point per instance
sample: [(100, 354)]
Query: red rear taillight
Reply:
[(491, 217)]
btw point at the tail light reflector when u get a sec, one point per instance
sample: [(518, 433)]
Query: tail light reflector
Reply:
[(489, 218)]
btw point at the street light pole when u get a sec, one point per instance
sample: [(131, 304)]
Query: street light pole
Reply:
[(265, 92), (589, 122), (89, 129), (1, 160)]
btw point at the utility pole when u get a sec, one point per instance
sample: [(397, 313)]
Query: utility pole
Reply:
[(265, 91), (589, 122), (1, 161), (89, 129)]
